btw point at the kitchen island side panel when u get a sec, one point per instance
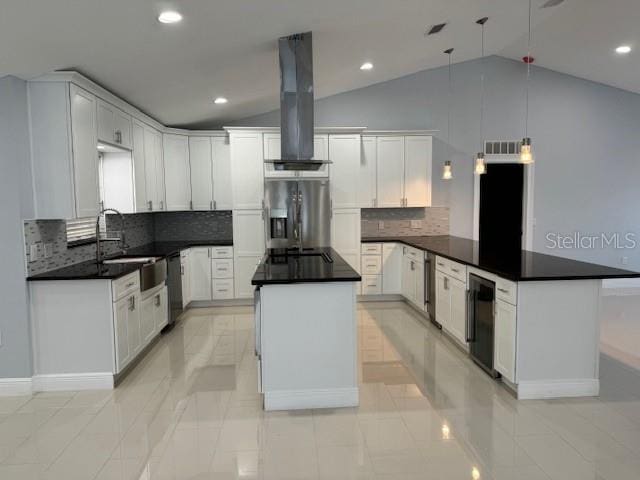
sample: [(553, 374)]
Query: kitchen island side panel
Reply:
[(558, 335), (309, 339)]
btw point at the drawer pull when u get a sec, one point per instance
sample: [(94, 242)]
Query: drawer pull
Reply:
[(503, 290), (130, 284), (222, 269), (455, 270), (440, 264)]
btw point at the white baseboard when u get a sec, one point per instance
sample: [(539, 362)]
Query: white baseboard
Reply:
[(587, 387), (317, 398), (73, 381), (15, 386)]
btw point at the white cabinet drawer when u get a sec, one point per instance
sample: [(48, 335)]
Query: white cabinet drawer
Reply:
[(222, 288), (371, 284), (126, 285), (442, 264), (371, 249), (371, 264), (221, 252), (222, 268), (413, 253), (507, 291), (458, 270)]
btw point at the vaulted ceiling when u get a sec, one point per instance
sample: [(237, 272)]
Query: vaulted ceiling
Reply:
[(228, 47)]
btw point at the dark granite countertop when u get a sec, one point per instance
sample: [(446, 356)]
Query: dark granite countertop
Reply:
[(519, 265), (89, 270), (278, 267)]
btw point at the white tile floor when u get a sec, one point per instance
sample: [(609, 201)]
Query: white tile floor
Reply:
[(190, 411)]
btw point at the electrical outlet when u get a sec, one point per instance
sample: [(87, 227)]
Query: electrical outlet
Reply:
[(416, 224), (48, 250), (380, 225), (0, 338), (33, 252), (625, 260)]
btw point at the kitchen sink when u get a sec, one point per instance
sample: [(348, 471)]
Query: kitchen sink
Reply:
[(131, 260), (153, 270)]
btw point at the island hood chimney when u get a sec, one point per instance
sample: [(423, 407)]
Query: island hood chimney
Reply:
[(296, 104)]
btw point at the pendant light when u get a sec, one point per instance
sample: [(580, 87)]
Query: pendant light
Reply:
[(481, 167), (447, 174), (526, 156)]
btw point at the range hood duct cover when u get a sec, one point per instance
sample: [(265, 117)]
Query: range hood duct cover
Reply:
[(296, 103)]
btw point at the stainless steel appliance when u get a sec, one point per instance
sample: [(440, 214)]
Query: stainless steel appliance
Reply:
[(481, 322), (174, 286), (430, 287), (298, 213), (296, 104)]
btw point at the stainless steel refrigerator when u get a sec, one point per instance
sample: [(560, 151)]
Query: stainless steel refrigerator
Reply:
[(298, 213)]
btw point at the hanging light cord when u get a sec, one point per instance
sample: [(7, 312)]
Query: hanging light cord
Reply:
[(482, 92), (526, 118), (449, 52)]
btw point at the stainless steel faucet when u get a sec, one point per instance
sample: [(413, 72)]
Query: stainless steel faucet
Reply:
[(121, 237)]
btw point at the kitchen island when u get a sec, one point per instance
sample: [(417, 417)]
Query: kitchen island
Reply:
[(531, 318), (306, 331)]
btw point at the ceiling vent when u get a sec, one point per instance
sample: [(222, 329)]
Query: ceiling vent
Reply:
[(435, 29), (502, 148)]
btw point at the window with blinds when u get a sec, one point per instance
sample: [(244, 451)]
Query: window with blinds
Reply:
[(83, 230)]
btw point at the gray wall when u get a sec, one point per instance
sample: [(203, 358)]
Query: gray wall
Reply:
[(16, 203), (586, 143)]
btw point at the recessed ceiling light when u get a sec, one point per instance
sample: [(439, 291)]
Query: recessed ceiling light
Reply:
[(623, 49), (366, 66), (220, 101), (169, 16)]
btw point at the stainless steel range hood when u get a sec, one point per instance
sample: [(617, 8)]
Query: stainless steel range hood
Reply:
[(296, 104)]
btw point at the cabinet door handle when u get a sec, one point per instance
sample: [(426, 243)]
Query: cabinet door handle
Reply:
[(191, 204), (211, 205), (132, 303), (502, 290), (150, 205), (157, 300), (215, 205), (446, 283), (161, 204), (181, 269)]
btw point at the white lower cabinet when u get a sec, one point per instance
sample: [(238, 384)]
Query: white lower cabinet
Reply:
[(345, 235), (211, 271), (154, 314), (126, 322), (248, 249), (200, 273), (412, 279), (504, 354), (161, 310), (458, 319), (185, 273), (391, 268), (451, 300), (147, 319)]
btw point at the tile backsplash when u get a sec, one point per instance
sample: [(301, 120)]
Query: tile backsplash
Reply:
[(140, 229), (404, 221), (176, 226)]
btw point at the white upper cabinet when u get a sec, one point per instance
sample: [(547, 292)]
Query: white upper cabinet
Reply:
[(390, 158), (247, 170), (201, 162), (85, 152), (176, 169), (154, 169), (114, 126), (222, 186), (344, 153), (417, 171), (139, 175), (366, 179)]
